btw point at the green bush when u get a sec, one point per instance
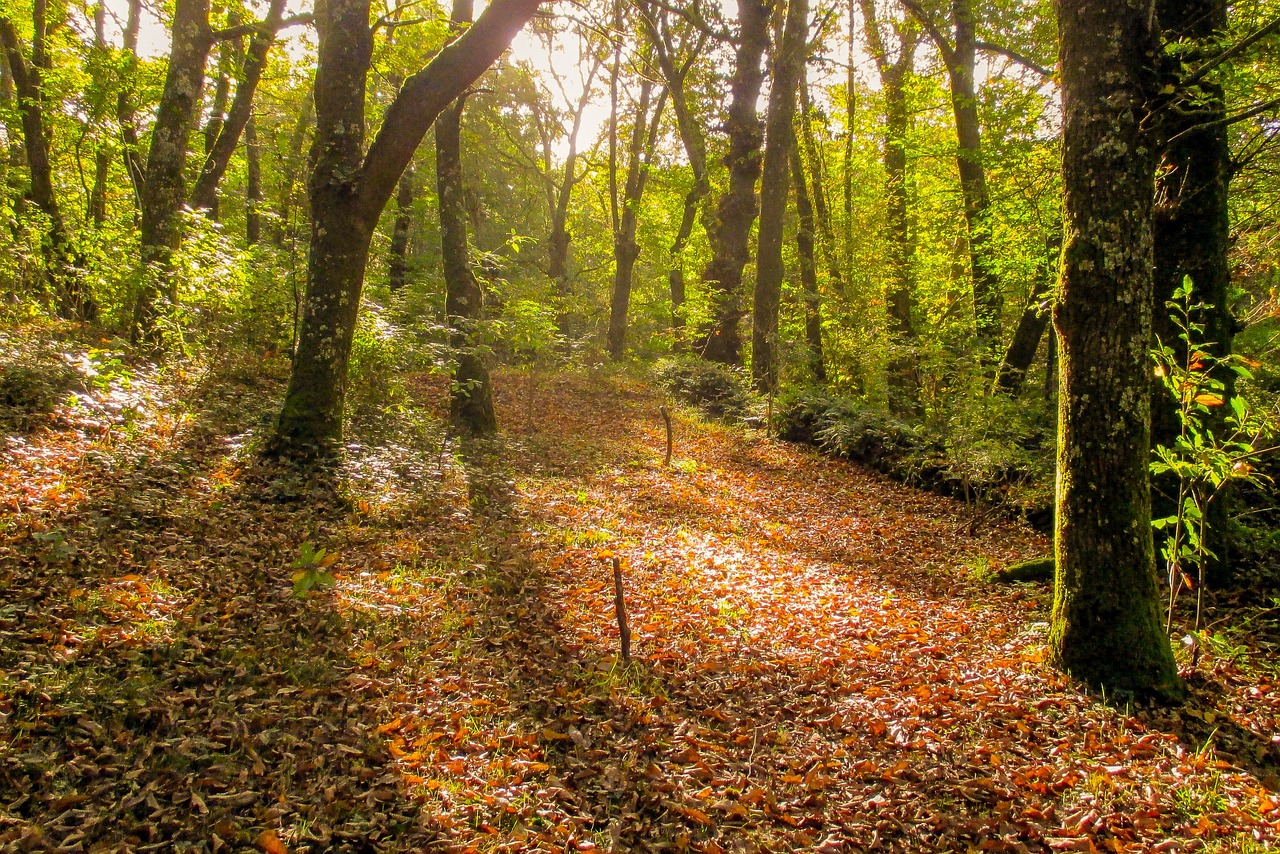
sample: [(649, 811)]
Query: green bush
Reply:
[(718, 390)]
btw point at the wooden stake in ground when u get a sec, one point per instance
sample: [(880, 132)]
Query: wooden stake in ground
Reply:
[(621, 605), (666, 419)]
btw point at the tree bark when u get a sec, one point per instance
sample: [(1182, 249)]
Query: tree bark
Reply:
[(695, 149), (960, 55), (1105, 627), (350, 188), (774, 179), (398, 266), (903, 375), (730, 230), (644, 138), (1192, 237), (471, 396), (1021, 352), (824, 235), (227, 137), (808, 271), (164, 185), (70, 294), (253, 183), (283, 229)]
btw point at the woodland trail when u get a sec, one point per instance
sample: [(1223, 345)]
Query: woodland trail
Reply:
[(817, 662)]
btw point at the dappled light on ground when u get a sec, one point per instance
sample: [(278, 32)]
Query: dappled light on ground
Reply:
[(818, 659)]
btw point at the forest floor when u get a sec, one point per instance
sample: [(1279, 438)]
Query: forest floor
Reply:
[(819, 661)]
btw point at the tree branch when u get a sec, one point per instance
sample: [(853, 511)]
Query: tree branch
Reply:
[(1235, 50), (1021, 59)]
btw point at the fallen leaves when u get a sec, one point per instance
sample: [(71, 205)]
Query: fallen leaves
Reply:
[(814, 669)]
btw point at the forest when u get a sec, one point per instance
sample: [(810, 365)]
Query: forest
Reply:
[(644, 425)]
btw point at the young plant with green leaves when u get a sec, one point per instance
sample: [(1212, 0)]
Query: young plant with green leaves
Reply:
[(1220, 440)]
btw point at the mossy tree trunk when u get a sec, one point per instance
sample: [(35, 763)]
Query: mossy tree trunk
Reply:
[(730, 229), (808, 269), (351, 186), (1105, 627)]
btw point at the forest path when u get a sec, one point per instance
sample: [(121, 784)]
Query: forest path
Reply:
[(816, 665)]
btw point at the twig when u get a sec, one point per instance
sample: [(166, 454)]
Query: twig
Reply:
[(666, 418), (620, 605)]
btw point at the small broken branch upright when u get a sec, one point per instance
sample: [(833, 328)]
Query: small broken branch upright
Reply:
[(624, 630), (666, 419)]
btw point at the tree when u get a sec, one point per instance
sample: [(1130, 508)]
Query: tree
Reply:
[(904, 381), (471, 396), (1105, 626), (70, 293), (789, 59), (350, 187), (644, 138), (730, 230)]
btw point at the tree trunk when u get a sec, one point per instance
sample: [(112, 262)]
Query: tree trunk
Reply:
[(1106, 627), (774, 179), (695, 149), (130, 152), (1031, 326), (351, 187), (163, 186), (730, 231), (903, 375), (471, 397), (97, 209), (283, 229), (70, 294), (644, 138), (1192, 236), (253, 183), (824, 235), (808, 272), (399, 251), (227, 136)]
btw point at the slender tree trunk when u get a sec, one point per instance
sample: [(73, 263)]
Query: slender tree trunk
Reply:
[(1031, 326), (730, 231), (824, 235), (164, 185), (1105, 627), (283, 229), (1192, 237), (102, 157), (350, 187), (695, 148), (399, 251), (129, 149), (471, 398), (775, 177), (903, 375), (70, 294), (222, 145), (808, 271), (253, 183), (644, 138)]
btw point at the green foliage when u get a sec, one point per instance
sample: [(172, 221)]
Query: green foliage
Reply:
[(311, 570), (1221, 440), (719, 390)]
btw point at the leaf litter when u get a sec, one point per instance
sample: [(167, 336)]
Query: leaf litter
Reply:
[(816, 663)]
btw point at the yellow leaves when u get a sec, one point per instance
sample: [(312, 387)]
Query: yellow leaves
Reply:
[(693, 814), (388, 727)]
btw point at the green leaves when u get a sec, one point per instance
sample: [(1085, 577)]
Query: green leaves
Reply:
[(311, 569)]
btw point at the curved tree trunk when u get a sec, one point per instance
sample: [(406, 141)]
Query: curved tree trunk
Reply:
[(730, 230), (398, 263), (1105, 626), (226, 137), (350, 188)]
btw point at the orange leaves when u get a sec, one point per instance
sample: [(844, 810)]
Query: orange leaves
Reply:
[(269, 841)]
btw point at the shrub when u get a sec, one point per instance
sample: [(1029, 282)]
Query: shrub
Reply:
[(718, 390)]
